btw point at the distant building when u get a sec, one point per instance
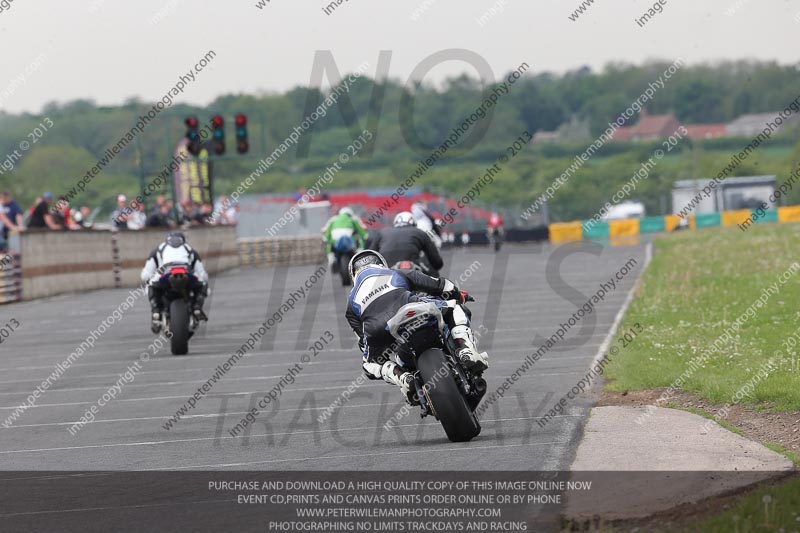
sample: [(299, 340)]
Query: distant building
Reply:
[(744, 192), (574, 130), (545, 137), (752, 125), (649, 128), (700, 132)]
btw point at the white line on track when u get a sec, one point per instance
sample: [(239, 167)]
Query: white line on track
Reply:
[(318, 457), (227, 380), (338, 388), (337, 362), (228, 437), (206, 415)]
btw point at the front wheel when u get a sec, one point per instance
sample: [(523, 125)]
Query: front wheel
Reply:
[(179, 327), (448, 404)]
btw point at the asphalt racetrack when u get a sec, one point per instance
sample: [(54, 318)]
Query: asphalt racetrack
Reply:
[(521, 292)]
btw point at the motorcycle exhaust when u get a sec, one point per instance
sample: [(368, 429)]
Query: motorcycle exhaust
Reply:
[(478, 392)]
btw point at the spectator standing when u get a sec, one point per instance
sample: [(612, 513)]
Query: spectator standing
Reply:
[(4, 223), (202, 215), (41, 217), (119, 218), (160, 201), (35, 203), (137, 219), (62, 215), (226, 212), (10, 218), (161, 219), (220, 208), (231, 216), (186, 211), (81, 218)]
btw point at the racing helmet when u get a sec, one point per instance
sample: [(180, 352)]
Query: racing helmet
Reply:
[(346, 211), (176, 239), (365, 258), (404, 218)]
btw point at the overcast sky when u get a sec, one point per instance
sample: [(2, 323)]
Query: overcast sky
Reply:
[(109, 50)]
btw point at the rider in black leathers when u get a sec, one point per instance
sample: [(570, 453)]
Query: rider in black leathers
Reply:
[(405, 242), (378, 294)]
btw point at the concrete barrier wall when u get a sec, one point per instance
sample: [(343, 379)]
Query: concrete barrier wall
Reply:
[(63, 262), (216, 246), (59, 262)]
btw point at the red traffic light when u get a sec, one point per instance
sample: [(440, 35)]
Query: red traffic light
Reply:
[(191, 122), (217, 121), (241, 120)]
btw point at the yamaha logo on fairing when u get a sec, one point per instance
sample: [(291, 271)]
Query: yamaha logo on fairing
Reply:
[(374, 293)]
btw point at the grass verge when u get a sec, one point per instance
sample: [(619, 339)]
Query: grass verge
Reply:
[(771, 508), (700, 285)]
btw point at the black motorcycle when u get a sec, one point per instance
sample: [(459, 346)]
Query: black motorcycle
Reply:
[(178, 284), (496, 239), (444, 388)]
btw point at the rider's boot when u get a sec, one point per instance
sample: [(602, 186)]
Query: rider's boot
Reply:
[(197, 307), (467, 351), (392, 373), (155, 318), (155, 310), (333, 263)]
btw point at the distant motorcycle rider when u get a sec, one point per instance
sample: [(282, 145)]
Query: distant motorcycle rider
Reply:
[(405, 242), (495, 225), (341, 233), (427, 222), (174, 250), (378, 293)]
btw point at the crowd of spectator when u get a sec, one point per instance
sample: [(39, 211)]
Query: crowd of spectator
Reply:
[(165, 214), (127, 215)]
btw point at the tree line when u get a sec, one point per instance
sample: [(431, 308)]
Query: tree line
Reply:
[(408, 120)]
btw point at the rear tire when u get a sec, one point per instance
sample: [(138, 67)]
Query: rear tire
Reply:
[(344, 264), (179, 327), (459, 422)]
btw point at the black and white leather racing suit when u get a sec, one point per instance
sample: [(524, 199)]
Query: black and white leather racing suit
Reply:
[(165, 254), (405, 243), (378, 293)]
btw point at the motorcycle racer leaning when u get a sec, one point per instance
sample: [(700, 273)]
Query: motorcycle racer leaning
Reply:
[(174, 250), (405, 242), (378, 293)]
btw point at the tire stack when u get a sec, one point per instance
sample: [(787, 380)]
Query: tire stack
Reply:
[(281, 251), (10, 277)]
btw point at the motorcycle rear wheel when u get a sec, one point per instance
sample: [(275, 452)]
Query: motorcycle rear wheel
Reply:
[(344, 263), (449, 406), (179, 327)]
